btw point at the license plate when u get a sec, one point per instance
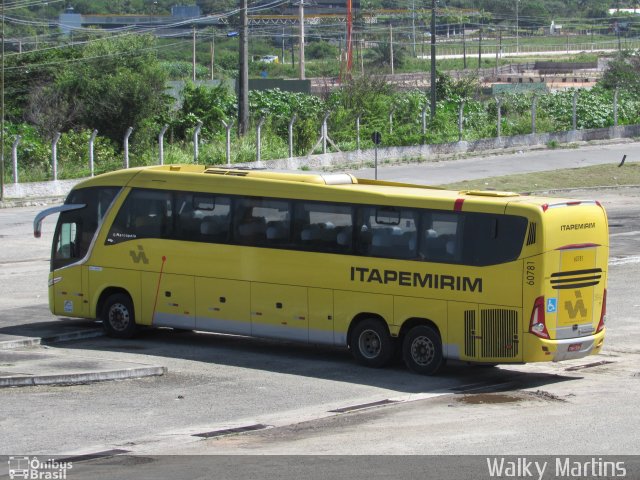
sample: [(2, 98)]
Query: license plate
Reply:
[(575, 347)]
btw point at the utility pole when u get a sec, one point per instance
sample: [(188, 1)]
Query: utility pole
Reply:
[(433, 59), (213, 49), (282, 53), (349, 38), (391, 46), (193, 56), (301, 20), (464, 48), (517, 26), (2, 107), (243, 80), (413, 25), (480, 48)]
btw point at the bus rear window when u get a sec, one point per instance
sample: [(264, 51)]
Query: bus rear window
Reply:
[(492, 239)]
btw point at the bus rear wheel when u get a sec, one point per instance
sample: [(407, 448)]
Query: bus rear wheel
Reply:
[(371, 344), (422, 350), (117, 316)]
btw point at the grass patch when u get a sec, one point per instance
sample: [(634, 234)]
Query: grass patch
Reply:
[(595, 176)]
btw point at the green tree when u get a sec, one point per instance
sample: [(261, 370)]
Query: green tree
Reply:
[(119, 83), (380, 54), (30, 71), (623, 72), (450, 89), (321, 50), (207, 105)]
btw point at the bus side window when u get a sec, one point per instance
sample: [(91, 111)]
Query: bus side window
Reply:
[(202, 217), (215, 225), (144, 214), (439, 239), (261, 221), (67, 241), (387, 232), (323, 227)]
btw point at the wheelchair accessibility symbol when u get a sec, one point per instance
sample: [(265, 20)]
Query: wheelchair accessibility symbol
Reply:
[(552, 305)]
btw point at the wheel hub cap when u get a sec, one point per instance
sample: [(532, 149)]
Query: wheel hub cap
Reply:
[(422, 351), (370, 344), (119, 316)]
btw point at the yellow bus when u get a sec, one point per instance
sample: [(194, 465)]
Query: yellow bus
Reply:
[(377, 267)]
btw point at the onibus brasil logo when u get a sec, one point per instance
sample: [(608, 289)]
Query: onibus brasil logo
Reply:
[(32, 468)]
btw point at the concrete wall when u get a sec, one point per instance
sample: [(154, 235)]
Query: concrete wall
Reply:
[(428, 152), (355, 159), (58, 188)]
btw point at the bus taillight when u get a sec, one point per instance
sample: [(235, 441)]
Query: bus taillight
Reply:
[(603, 313), (537, 325)]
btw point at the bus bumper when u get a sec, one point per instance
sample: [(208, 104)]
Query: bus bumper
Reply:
[(540, 350)]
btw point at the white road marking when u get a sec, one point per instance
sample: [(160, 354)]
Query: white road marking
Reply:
[(625, 234), (625, 260)]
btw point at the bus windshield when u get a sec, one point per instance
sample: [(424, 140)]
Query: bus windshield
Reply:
[(76, 228)]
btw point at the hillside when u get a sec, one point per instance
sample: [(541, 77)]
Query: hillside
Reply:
[(534, 11)]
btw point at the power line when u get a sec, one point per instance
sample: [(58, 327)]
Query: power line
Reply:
[(28, 3), (131, 31), (130, 53)]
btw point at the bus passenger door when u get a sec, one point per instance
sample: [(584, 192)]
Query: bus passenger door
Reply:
[(279, 311), (170, 300), (69, 291), (223, 306), (320, 316)]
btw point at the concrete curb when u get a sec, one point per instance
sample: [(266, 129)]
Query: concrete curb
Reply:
[(63, 337), (79, 378)]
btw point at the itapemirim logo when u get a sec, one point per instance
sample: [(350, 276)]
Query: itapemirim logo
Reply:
[(573, 309), (32, 468)]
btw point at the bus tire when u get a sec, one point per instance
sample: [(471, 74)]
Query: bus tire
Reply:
[(422, 350), (371, 344), (118, 319)]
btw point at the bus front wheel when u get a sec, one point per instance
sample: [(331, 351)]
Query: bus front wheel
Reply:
[(422, 350), (117, 316), (371, 344)]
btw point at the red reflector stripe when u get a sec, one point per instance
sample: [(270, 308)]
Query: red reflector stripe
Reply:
[(578, 245), (457, 206)]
